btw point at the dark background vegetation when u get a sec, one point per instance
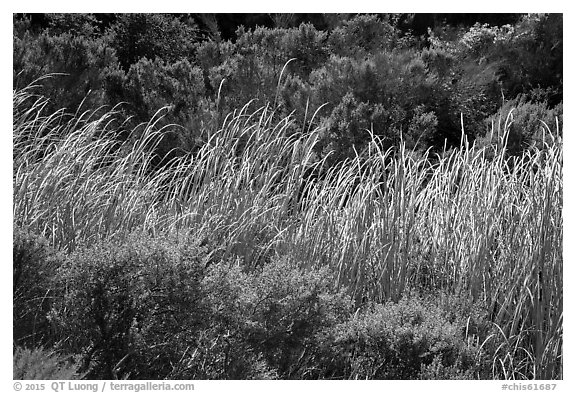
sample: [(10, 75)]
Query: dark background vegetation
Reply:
[(415, 76), (155, 307)]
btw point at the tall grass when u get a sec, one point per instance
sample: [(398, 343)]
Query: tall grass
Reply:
[(471, 221)]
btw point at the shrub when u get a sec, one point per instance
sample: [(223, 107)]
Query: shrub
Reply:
[(527, 124), (131, 309), (411, 339), (274, 47), (246, 70), (521, 57), (306, 45), (42, 364), (438, 371), (490, 62), (85, 62), (532, 57), (222, 350), (291, 308), (34, 267), (138, 36), (389, 93), (73, 23), (351, 121), (146, 309), (294, 98), (213, 53), (251, 67), (423, 126), (364, 34), (474, 95), (241, 78), (438, 61), (276, 313), (153, 84)]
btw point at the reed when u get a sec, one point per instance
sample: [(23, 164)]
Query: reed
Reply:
[(387, 222)]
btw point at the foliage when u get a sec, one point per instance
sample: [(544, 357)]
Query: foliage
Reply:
[(386, 93), (385, 222), (277, 312), (137, 36), (458, 76), (251, 67), (399, 173), (74, 24), (138, 305), (274, 47), (306, 45), (524, 56), (40, 363), (399, 341), (528, 124), (82, 65), (349, 125), (148, 308), (362, 35), (533, 57), (154, 84), (423, 126), (178, 87), (34, 267)]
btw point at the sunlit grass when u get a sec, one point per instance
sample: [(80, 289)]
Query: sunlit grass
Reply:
[(387, 222)]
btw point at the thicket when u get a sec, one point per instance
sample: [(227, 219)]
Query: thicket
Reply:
[(362, 72), (165, 307)]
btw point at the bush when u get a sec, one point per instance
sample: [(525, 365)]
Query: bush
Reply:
[(148, 309), (414, 338), (151, 36), (41, 364), (272, 316), (246, 70), (351, 121), (528, 123), (34, 267), (362, 35), (294, 99), (75, 24), (395, 92), (85, 62), (422, 128), (154, 84), (308, 46), (532, 57), (474, 95), (131, 309), (222, 350), (251, 67), (519, 58)]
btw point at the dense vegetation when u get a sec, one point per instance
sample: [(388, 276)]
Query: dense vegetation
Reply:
[(332, 196), (363, 72)]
